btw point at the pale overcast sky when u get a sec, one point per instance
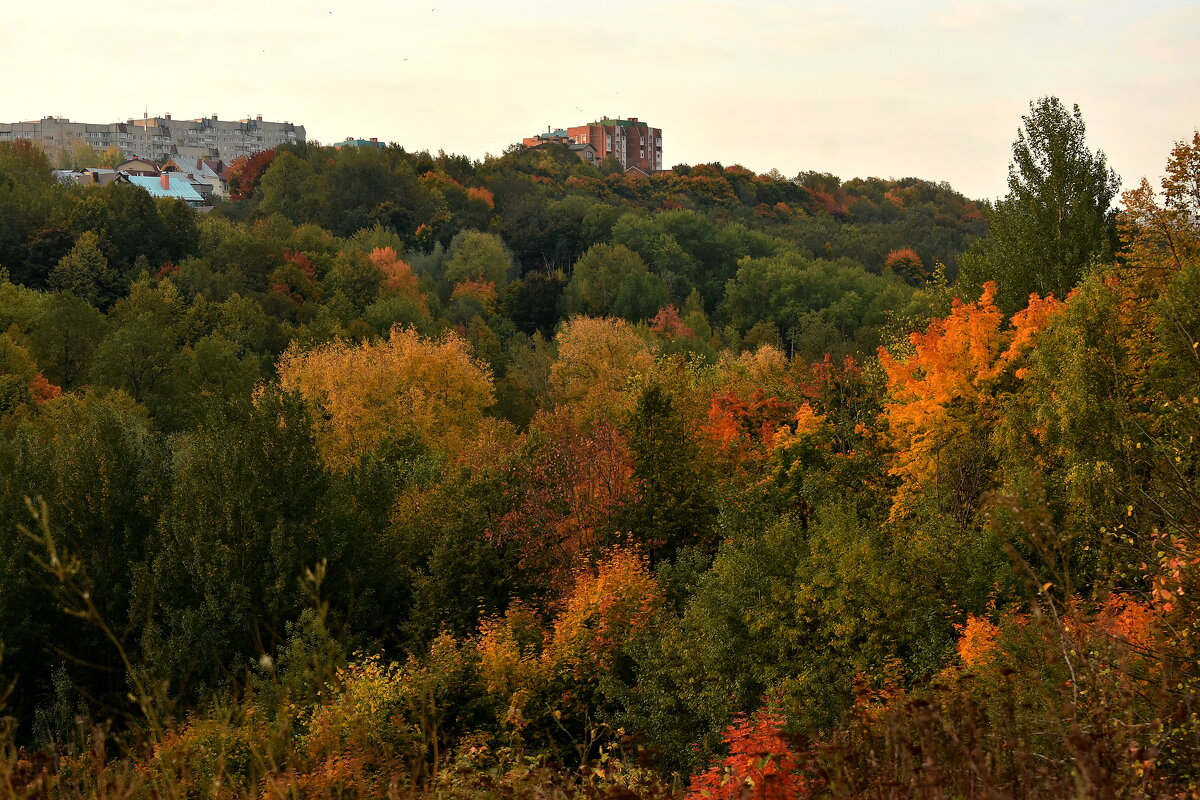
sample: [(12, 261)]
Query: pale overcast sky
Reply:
[(930, 88)]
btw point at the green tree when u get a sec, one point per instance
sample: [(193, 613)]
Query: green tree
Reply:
[(292, 188), (64, 336), (101, 470), (86, 273), (478, 256), (1056, 220), (674, 506), (612, 279), (247, 515), (139, 353)]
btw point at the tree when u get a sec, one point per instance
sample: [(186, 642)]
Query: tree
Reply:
[(247, 514), (612, 279), (1161, 238), (291, 187), (139, 353), (942, 399), (673, 507), (246, 172), (65, 335), (1055, 221), (597, 358), (478, 256), (86, 273), (574, 475), (761, 764), (907, 263), (364, 396), (101, 470)]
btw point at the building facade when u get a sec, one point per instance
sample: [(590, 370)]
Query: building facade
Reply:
[(159, 138), (634, 144)]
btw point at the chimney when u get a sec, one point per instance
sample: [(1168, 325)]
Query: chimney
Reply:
[(165, 180), (258, 118), (373, 139), (214, 117), (199, 162), (167, 117)]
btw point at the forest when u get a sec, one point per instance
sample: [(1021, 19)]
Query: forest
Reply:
[(407, 475)]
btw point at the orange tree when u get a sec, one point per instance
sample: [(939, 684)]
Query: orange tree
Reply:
[(943, 399)]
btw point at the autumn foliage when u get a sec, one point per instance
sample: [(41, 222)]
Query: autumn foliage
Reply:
[(246, 171), (761, 764), (605, 609), (333, 492), (577, 475), (944, 392), (362, 395), (398, 279)]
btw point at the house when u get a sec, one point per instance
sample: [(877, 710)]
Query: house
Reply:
[(139, 166), (205, 176), (98, 176), (88, 176), (586, 151), (549, 137), (630, 141)]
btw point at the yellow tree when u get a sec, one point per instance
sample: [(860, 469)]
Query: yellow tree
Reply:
[(597, 358), (361, 395)]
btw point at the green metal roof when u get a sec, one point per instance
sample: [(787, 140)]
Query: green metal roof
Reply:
[(622, 123)]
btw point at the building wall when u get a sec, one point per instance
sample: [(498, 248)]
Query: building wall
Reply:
[(159, 138), (631, 142)]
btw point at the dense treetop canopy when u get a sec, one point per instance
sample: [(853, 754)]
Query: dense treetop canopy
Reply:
[(402, 473)]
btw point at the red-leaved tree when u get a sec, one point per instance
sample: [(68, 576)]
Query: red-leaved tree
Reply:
[(761, 765)]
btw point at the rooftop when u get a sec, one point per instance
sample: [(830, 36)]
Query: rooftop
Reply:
[(621, 123), (180, 187)]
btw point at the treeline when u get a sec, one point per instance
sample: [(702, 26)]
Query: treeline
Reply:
[(408, 474)]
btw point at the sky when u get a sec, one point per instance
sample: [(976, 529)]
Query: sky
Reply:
[(927, 88)]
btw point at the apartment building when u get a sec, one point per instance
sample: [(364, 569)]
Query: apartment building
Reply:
[(633, 143), (160, 138)]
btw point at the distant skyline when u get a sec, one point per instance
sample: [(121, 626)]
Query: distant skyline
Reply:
[(927, 88)]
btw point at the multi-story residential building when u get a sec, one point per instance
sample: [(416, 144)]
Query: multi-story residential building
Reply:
[(352, 142), (159, 138), (634, 144)]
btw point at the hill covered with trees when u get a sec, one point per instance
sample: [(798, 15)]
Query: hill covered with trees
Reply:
[(407, 475)]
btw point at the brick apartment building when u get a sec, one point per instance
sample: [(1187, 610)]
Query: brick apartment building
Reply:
[(633, 143), (159, 138)]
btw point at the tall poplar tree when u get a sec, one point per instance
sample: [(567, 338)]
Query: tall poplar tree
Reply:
[(1057, 218)]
